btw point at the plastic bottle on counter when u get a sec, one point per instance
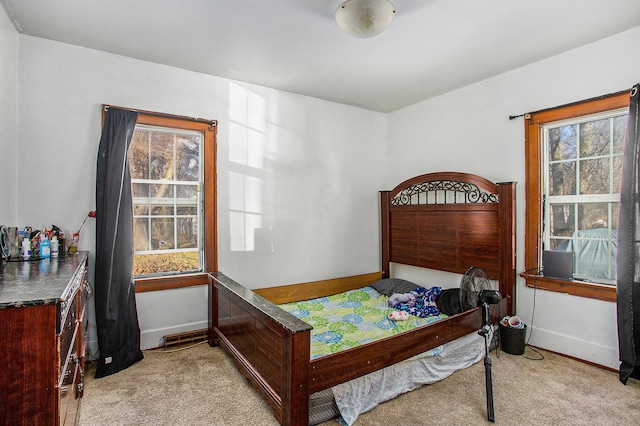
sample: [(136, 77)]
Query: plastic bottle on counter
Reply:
[(54, 246), (45, 248), (73, 244), (26, 249)]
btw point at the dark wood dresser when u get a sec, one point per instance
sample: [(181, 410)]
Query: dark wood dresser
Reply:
[(42, 340)]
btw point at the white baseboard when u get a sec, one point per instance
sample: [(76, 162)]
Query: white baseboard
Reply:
[(149, 339), (580, 349), (91, 353), (545, 339)]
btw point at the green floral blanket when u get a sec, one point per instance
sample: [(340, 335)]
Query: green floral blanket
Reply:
[(351, 319)]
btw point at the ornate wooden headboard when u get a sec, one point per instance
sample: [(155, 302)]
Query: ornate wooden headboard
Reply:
[(451, 221)]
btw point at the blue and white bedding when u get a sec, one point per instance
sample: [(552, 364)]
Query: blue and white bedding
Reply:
[(365, 393)]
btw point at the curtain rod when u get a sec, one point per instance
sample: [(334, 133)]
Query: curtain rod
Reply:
[(527, 115), (160, 114)]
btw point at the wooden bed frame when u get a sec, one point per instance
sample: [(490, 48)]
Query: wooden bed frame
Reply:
[(446, 221)]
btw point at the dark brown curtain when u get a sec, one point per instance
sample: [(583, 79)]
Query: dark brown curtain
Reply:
[(628, 292), (116, 313)]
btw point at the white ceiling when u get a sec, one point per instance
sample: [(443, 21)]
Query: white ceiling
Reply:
[(431, 47)]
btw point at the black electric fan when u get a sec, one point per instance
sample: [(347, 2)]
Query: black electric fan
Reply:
[(475, 290)]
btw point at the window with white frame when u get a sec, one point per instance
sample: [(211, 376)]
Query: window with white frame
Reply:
[(166, 181), (582, 172)]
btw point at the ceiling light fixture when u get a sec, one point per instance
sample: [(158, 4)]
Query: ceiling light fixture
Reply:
[(365, 18)]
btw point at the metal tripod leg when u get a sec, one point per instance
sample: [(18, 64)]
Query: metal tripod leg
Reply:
[(485, 331)]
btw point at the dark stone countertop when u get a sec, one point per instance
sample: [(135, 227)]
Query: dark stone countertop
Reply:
[(37, 282)]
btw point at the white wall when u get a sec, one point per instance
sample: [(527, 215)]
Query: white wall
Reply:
[(298, 177), (469, 130), (8, 106)]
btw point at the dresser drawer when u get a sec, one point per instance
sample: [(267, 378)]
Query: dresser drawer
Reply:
[(69, 304), (84, 321), (68, 363), (68, 330), (70, 395)]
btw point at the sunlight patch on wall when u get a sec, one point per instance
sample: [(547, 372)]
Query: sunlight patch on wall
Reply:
[(245, 206), (247, 147), (246, 194), (243, 229)]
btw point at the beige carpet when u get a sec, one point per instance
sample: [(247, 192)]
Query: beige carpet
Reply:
[(200, 386)]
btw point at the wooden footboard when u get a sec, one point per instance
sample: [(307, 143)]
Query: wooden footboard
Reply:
[(268, 345)]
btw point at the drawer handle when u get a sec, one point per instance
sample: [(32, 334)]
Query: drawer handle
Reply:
[(88, 288)]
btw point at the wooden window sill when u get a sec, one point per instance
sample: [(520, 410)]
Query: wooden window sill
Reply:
[(575, 288), (170, 282)]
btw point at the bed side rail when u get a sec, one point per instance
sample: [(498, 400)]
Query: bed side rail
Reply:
[(331, 370), (315, 289)]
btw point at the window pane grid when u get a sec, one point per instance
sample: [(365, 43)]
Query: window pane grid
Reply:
[(167, 201), (581, 179)]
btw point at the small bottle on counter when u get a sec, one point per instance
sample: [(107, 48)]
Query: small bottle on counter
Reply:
[(26, 249), (54, 246), (73, 245), (45, 248)]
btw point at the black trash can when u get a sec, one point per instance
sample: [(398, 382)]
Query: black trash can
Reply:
[(513, 339)]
